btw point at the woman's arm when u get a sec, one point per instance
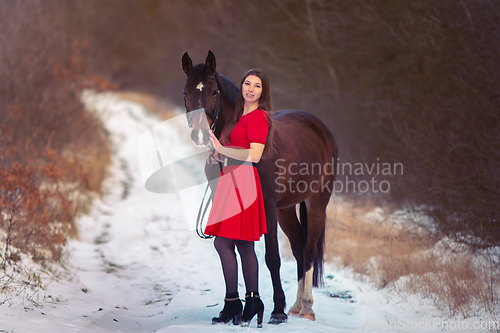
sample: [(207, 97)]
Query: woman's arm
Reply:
[(253, 154)]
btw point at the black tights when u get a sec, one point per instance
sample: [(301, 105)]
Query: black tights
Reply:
[(225, 248)]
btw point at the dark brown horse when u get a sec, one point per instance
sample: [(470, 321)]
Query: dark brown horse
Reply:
[(301, 171)]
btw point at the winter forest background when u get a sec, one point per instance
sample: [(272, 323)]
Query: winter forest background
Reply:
[(397, 81)]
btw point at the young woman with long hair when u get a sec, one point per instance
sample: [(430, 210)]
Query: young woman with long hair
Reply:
[(237, 218)]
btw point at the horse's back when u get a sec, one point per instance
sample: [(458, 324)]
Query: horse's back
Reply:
[(303, 148), (303, 133)]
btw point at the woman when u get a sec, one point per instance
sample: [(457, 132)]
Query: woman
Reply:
[(237, 218)]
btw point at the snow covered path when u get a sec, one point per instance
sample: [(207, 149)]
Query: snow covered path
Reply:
[(138, 268)]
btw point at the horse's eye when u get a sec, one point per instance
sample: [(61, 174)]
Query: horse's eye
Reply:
[(214, 93), (185, 95)]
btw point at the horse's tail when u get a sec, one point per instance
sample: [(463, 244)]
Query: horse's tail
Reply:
[(319, 260)]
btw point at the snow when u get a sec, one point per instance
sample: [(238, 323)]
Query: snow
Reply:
[(138, 266)]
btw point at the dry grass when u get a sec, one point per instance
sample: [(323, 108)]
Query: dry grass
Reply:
[(391, 252)]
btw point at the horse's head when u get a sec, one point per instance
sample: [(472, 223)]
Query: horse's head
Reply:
[(201, 97)]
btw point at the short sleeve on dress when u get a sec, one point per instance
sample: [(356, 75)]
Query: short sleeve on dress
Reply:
[(257, 127)]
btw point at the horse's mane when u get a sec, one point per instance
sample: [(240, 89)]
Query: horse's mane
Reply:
[(228, 89)]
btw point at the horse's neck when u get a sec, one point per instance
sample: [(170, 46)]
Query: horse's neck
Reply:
[(228, 94), (226, 113), (229, 91)]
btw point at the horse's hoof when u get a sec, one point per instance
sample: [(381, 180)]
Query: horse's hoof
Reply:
[(278, 318), (294, 312), (308, 315)]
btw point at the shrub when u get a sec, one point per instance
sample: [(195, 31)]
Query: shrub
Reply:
[(54, 153), (36, 213)]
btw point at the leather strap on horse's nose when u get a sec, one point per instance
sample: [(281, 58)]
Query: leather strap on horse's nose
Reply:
[(214, 116)]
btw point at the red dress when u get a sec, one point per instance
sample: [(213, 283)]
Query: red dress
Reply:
[(238, 206)]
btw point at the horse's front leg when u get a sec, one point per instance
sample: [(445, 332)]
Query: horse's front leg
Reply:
[(273, 263)]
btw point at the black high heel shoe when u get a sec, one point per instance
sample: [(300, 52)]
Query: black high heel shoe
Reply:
[(253, 305), (231, 311)]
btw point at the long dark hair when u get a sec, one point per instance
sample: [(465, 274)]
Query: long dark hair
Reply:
[(265, 103)]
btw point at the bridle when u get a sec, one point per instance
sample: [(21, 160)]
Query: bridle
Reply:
[(214, 116)]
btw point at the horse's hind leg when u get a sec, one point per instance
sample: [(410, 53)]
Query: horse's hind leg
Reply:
[(291, 227), (307, 297), (313, 250)]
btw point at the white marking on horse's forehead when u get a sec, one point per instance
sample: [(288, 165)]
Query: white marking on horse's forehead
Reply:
[(200, 86)]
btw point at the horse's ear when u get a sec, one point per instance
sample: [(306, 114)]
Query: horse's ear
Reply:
[(187, 64), (210, 63)]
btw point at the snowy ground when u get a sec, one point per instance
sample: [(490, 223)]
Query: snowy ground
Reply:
[(137, 267)]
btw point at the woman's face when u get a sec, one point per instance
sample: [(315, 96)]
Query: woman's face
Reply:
[(251, 89)]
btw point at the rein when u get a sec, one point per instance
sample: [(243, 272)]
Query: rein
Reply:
[(204, 205), (201, 215)]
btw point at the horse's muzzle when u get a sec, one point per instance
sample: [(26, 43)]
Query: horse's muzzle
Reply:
[(198, 122)]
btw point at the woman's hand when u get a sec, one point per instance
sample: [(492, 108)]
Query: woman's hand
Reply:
[(215, 144), (213, 157)]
